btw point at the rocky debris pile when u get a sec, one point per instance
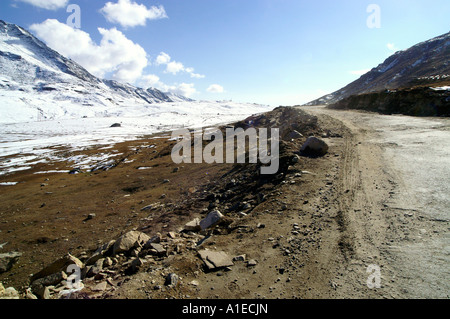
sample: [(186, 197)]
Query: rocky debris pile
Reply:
[(102, 271)]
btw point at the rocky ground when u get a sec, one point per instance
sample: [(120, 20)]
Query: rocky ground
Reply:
[(209, 231)]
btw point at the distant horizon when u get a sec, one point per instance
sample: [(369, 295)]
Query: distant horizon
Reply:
[(267, 52)]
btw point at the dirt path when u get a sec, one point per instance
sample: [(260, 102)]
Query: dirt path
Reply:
[(395, 213)]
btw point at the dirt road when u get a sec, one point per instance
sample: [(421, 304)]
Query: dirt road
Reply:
[(395, 203)]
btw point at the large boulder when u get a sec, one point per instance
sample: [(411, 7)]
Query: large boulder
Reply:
[(132, 239), (58, 266), (314, 146), (8, 260)]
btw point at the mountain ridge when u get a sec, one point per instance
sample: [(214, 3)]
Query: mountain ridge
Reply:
[(427, 59), (31, 72)]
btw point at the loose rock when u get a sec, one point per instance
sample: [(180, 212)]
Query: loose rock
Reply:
[(171, 280), (59, 265), (8, 260), (211, 220), (128, 241), (193, 225), (215, 259), (314, 146)]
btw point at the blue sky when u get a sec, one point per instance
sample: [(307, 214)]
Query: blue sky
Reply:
[(277, 52)]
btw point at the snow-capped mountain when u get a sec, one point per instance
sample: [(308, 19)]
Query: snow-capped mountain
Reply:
[(426, 61), (50, 106), (36, 81)]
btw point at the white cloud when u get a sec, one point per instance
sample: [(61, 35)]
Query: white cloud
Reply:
[(116, 54), (391, 47), (215, 88), (175, 67), (128, 13), (163, 58), (360, 72), (149, 80), (47, 4), (197, 76), (185, 89)]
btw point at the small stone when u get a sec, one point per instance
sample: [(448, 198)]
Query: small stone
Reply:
[(252, 263), (136, 263), (172, 234), (159, 249), (239, 258), (108, 262), (100, 287), (171, 280), (97, 268), (135, 252), (193, 225)]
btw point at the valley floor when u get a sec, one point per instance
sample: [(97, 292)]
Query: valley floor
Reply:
[(377, 200)]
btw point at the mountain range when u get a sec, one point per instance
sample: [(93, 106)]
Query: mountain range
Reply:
[(38, 80), (426, 63)]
